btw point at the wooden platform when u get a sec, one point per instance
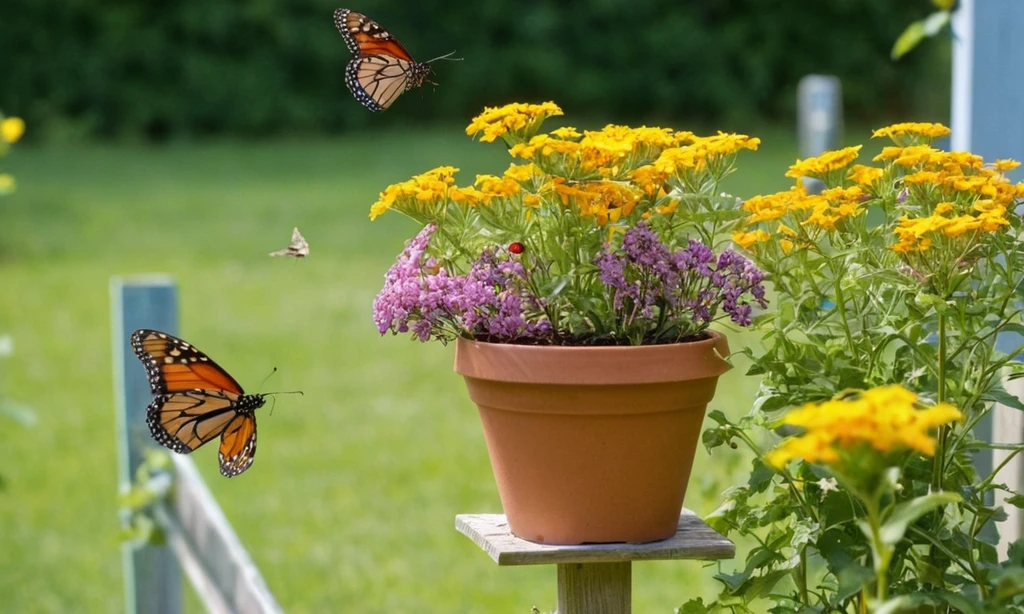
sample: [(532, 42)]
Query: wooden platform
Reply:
[(694, 539), (593, 578)]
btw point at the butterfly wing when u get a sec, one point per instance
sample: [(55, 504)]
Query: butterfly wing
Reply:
[(237, 445), (173, 365), (196, 400), (365, 37), (382, 68), (377, 80)]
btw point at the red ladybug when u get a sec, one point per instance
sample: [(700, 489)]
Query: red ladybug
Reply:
[(516, 248)]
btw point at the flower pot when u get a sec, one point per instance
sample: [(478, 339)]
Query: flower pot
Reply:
[(592, 444)]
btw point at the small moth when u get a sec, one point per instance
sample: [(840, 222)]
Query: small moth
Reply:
[(298, 248)]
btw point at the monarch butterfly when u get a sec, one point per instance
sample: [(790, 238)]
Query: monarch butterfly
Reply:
[(196, 400), (382, 68)]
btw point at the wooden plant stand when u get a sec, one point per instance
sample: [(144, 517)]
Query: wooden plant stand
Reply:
[(593, 579)]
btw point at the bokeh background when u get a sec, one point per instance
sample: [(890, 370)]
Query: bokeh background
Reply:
[(189, 137)]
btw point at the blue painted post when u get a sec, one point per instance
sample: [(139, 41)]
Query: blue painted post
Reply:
[(987, 119), (152, 576)]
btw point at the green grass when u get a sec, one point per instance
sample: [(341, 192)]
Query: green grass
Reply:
[(350, 505)]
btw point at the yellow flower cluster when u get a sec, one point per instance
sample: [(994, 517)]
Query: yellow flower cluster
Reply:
[(605, 201), (823, 211), (516, 119), (828, 162), (418, 193), (886, 418), (909, 133), (917, 234), (602, 152)]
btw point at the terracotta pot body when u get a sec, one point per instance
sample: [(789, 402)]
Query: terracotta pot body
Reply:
[(592, 444)]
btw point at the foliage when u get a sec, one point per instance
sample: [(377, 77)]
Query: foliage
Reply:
[(155, 69), (603, 237), (153, 481), (900, 273), (928, 27)]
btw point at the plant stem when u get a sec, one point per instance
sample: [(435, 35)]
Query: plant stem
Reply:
[(940, 448)]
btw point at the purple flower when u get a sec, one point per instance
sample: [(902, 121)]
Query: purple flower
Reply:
[(490, 301)]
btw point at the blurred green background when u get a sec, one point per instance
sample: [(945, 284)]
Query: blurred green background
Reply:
[(188, 138)]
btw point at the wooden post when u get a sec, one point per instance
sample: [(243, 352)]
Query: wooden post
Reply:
[(152, 577), (593, 579), (987, 98), (819, 114), (819, 120)]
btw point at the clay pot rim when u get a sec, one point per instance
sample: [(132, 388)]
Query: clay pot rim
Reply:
[(593, 365)]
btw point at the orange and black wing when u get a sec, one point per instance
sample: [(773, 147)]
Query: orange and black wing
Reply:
[(382, 68), (174, 365), (196, 400), (238, 445), (365, 37)]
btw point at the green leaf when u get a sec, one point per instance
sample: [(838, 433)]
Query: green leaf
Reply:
[(693, 606), (918, 31), (1000, 395), (904, 514)]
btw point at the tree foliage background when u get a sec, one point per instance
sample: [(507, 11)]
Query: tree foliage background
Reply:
[(155, 69)]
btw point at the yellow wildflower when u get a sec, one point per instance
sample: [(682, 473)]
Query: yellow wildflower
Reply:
[(500, 187), (747, 239), (887, 418), (413, 194), (6, 183), (566, 133), (11, 129), (1005, 165), (827, 162), (517, 119), (865, 175), (910, 132), (520, 172)]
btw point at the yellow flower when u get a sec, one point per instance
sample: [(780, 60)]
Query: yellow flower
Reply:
[(566, 133), (865, 175), (887, 418), (517, 119), (500, 187), (910, 132), (6, 183), (747, 239), (520, 172), (827, 162), (1005, 165), (421, 194), (11, 129)]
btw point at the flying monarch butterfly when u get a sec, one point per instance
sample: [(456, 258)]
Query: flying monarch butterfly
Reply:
[(196, 400), (382, 68)]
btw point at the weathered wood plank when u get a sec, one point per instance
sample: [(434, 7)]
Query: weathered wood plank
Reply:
[(152, 579), (217, 564), (694, 539), (595, 588)]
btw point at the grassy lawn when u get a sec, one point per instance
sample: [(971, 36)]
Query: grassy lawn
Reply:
[(350, 505)]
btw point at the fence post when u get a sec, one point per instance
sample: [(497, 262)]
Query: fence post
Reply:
[(986, 119), (819, 119), (152, 576)]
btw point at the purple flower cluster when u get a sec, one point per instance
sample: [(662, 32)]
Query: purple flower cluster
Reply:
[(679, 291), (486, 302)]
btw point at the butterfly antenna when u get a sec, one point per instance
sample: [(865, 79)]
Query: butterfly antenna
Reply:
[(273, 402), (446, 56), (268, 377)]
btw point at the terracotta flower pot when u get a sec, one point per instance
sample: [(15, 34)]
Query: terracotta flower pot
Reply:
[(592, 444)]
